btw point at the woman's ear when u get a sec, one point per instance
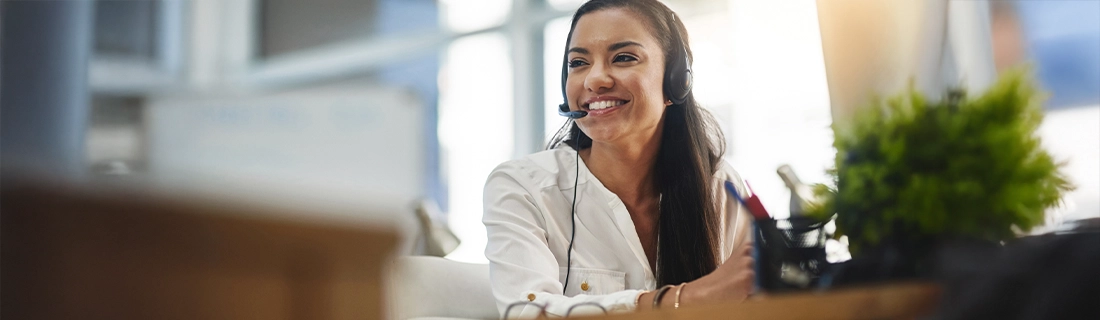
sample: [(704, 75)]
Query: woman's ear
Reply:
[(668, 102)]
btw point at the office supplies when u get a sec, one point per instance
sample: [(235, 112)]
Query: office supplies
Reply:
[(753, 204), (789, 253)]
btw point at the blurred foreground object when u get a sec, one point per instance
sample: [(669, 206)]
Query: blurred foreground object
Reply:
[(75, 253), (893, 301), (879, 47), (1040, 277), (913, 172)]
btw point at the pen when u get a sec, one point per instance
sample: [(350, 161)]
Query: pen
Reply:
[(764, 233), (753, 204)]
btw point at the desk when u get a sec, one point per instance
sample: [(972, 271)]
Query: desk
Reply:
[(894, 301), (80, 253)]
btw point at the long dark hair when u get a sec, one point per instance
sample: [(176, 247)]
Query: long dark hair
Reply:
[(689, 155)]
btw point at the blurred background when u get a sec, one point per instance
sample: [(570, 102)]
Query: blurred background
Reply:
[(413, 102)]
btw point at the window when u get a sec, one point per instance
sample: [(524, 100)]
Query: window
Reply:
[(553, 50), (476, 130), (1062, 39), (780, 110), (477, 126), (127, 28), (138, 46), (286, 26), (567, 5), (467, 15)]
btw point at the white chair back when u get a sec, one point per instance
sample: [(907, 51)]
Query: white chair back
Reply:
[(434, 287)]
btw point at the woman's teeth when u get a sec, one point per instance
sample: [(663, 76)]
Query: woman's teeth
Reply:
[(605, 104)]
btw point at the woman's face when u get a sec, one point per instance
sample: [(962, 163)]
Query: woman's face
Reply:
[(616, 72)]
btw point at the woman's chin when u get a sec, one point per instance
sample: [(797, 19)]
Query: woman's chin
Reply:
[(602, 132)]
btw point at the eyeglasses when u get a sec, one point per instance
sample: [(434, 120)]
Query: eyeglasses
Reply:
[(542, 308)]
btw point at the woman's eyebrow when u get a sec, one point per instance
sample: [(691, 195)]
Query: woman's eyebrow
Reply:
[(612, 47), (623, 44)]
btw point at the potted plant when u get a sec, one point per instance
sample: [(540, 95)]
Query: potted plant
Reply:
[(912, 173)]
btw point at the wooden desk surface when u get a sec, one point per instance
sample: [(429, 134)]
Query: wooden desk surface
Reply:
[(893, 301), (75, 253)]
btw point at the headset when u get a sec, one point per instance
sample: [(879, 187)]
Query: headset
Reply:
[(677, 86)]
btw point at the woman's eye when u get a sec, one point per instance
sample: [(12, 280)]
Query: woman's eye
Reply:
[(625, 58), (576, 63)]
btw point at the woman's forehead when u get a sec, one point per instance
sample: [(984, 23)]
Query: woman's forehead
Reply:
[(599, 29)]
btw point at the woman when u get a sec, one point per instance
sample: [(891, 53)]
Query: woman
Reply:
[(625, 210)]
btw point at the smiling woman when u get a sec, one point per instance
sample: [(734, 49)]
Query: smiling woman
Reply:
[(625, 209)]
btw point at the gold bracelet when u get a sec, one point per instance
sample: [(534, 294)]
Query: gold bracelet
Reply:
[(676, 305), (638, 298), (659, 294)]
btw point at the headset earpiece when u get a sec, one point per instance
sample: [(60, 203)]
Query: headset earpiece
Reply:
[(678, 78), (678, 81)]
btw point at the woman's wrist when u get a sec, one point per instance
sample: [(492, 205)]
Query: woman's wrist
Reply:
[(692, 293)]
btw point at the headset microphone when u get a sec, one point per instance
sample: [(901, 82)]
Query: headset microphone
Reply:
[(563, 110)]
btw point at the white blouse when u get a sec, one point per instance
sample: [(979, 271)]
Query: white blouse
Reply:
[(527, 217)]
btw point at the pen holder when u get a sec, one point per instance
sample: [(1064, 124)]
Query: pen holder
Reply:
[(789, 253)]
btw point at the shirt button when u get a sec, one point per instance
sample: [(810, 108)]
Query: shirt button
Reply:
[(530, 297), (584, 286)]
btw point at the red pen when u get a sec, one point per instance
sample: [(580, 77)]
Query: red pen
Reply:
[(756, 208)]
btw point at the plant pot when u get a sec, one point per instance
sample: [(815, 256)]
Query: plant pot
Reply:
[(902, 258)]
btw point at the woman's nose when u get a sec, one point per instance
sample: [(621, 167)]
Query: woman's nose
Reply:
[(598, 79)]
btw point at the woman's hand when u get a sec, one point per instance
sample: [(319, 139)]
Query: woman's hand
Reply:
[(732, 281)]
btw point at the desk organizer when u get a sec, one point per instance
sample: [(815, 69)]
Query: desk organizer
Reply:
[(789, 253)]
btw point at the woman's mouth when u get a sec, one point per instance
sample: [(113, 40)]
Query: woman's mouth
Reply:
[(603, 107)]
